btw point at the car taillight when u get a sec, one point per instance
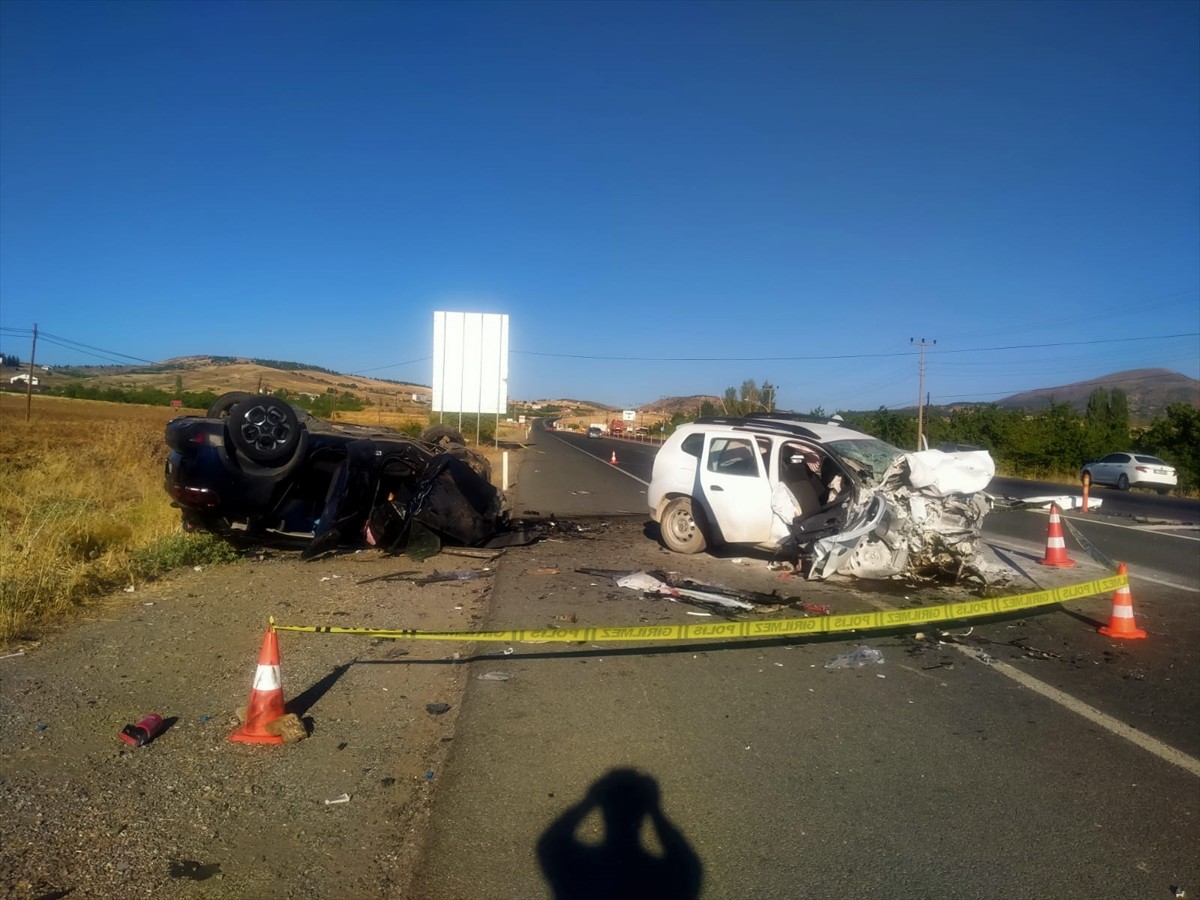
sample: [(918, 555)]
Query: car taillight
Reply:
[(1141, 468), (194, 496)]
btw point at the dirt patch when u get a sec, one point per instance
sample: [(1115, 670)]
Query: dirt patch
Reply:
[(192, 813)]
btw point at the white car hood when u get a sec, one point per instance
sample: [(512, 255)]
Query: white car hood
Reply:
[(941, 474)]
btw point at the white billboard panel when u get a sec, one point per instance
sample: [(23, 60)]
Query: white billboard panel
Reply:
[(470, 362), (629, 415)]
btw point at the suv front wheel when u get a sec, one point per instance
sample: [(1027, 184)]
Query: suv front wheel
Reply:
[(681, 531)]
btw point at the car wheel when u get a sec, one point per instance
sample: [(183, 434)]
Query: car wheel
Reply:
[(265, 429), (681, 531), (1122, 482), (222, 405), (443, 435), (477, 462)]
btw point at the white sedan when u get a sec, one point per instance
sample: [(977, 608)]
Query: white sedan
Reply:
[(1126, 470)]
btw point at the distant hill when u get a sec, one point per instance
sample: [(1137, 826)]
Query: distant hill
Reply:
[(225, 373), (668, 406), (1149, 391)]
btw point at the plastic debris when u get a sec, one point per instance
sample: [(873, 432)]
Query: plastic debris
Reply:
[(429, 774), (494, 676), (856, 658), (14, 653), (344, 798), (436, 709)]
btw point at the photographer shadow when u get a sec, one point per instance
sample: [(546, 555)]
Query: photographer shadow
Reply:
[(620, 865)]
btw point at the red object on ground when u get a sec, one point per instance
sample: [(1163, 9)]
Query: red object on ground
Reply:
[(146, 730)]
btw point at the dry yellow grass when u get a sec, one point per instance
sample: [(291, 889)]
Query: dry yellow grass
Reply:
[(82, 505), (80, 495)]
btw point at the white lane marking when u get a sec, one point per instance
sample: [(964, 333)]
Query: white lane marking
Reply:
[(1115, 726), (1105, 721), (1015, 546), (1149, 529), (603, 460)]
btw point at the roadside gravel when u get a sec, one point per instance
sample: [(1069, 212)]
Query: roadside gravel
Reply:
[(85, 815)]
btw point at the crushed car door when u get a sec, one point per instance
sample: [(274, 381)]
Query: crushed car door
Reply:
[(733, 482)]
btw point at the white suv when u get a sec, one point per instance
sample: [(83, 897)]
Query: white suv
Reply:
[(861, 506)]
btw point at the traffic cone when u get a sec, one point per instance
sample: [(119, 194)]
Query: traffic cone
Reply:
[(1056, 549), (266, 696), (613, 461), (1120, 623)]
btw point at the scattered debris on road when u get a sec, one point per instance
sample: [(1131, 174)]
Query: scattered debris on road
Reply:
[(856, 659)]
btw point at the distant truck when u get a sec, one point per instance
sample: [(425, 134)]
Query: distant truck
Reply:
[(616, 428)]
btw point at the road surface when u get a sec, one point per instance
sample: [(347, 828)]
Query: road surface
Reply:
[(1024, 758)]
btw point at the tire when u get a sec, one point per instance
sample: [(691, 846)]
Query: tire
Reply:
[(1122, 482), (477, 462), (265, 429), (680, 528), (222, 405), (443, 436)]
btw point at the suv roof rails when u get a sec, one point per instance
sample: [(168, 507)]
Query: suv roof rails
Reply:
[(793, 417), (781, 425)]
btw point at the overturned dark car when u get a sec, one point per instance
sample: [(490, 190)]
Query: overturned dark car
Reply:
[(257, 470)]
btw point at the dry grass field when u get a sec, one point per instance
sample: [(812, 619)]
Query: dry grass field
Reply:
[(82, 505)]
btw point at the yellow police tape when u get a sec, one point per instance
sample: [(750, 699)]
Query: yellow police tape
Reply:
[(867, 621)]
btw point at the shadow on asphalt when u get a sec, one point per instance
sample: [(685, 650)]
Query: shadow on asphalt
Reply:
[(619, 865)]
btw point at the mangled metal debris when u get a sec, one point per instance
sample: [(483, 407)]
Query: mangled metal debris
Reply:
[(722, 600)]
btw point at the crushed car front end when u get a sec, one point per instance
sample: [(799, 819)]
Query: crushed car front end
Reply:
[(921, 518)]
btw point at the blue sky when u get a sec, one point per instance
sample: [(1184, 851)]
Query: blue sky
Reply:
[(712, 191)]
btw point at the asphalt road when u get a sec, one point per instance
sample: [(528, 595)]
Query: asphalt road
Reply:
[(1061, 763)]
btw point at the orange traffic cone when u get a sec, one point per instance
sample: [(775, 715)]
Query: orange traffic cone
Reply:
[(266, 696), (1056, 549), (1120, 623), (613, 461)]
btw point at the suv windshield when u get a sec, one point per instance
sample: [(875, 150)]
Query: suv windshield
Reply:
[(871, 456)]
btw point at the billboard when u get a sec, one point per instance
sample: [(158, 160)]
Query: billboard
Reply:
[(470, 362)]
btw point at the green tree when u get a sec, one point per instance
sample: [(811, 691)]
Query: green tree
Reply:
[(1118, 420), (1097, 424), (1176, 438)]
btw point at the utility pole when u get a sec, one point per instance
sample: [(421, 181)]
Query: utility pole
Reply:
[(921, 387), (29, 377)]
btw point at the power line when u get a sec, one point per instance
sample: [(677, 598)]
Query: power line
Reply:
[(71, 344), (390, 366), (1155, 337)]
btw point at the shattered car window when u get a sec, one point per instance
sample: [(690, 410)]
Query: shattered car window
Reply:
[(871, 457)]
